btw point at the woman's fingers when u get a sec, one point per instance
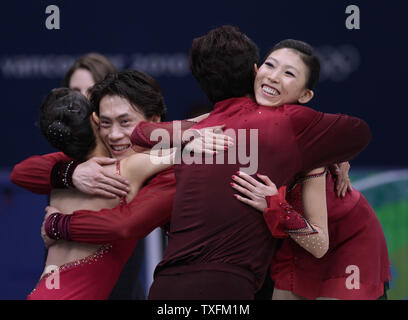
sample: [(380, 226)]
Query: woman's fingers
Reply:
[(341, 191), (264, 188), (249, 179), (266, 179), (218, 140), (245, 200), (214, 147), (245, 183), (343, 187), (210, 136), (243, 190)]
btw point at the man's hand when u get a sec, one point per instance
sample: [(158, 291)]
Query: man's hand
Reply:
[(343, 183), (47, 240), (92, 178)]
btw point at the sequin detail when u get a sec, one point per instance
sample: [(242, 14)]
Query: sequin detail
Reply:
[(103, 250)]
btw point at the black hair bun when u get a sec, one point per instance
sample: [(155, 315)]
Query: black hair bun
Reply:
[(58, 134)]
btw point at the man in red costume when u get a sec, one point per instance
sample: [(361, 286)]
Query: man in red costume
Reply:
[(219, 248)]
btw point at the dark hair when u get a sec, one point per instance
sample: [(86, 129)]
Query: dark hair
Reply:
[(222, 61), (65, 122), (141, 90), (98, 65), (307, 55)]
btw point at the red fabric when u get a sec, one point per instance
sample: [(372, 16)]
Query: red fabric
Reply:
[(91, 278), (281, 218), (142, 135), (356, 239), (149, 209), (34, 173), (208, 224), (274, 214), (95, 278), (202, 285), (57, 226)]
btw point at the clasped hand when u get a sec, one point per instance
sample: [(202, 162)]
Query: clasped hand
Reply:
[(255, 191), (210, 140), (47, 240)]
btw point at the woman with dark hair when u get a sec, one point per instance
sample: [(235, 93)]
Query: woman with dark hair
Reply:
[(354, 263), (85, 271), (223, 251), (86, 71)]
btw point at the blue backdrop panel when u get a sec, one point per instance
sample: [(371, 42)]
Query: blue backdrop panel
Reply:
[(363, 71), (22, 261)]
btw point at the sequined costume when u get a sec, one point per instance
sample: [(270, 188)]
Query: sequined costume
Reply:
[(89, 278), (149, 209), (213, 233), (356, 265)]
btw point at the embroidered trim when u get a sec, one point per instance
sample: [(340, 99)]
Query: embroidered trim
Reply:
[(98, 254), (304, 178)]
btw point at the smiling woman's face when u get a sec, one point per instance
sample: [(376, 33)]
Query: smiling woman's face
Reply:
[(281, 79)]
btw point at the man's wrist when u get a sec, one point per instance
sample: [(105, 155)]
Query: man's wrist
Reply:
[(61, 174), (57, 226)]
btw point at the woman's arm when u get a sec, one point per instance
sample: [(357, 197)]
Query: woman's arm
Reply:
[(310, 232), (151, 163), (315, 212)]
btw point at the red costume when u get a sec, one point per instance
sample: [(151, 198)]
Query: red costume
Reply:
[(212, 232), (357, 252), (92, 277), (149, 209)]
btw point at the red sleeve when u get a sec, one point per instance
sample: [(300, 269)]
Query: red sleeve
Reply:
[(325, 138), (34, 173), (150, 208), (281, 218), (144, 136)]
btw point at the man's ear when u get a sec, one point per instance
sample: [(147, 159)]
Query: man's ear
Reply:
[(306, 96), (155, 118), (95, 120)]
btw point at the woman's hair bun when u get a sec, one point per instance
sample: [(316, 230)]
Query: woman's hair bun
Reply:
[(58, 134)]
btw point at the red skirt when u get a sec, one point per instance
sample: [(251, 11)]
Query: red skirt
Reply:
[(356, 266)]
